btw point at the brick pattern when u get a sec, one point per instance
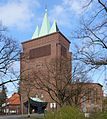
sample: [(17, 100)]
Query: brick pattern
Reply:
[(40, 52)]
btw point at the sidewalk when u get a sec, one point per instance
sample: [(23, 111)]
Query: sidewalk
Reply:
[(25, 116)]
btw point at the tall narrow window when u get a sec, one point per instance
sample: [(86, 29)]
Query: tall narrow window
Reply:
[(63, 51)]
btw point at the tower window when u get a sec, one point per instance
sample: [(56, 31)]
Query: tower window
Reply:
[(63, 51)]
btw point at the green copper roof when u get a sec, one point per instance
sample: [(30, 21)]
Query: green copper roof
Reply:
[(54, 28), (45, 28), (36, 33), (36, 99), (45, 25)]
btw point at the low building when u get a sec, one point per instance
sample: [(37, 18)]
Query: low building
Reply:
[(87, 96), (12, 105), (93, 98)]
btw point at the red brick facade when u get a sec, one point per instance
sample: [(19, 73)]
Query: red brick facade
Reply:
[(38, 51), (35, 53)]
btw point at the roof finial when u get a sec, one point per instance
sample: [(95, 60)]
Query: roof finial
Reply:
[(46, 7), (45, 25)]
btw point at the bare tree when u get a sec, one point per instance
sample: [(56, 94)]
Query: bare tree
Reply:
[(80, 84), (26, 84), (93, 34), (63, 83), (9, 81), (9, 53), (63, 86), (26, 90), (54, 79), (91, 50), (3, 97)]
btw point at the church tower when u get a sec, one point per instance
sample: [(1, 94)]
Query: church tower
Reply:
[(46, 43)]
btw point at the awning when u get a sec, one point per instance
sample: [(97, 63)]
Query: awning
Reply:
[(37, 104)]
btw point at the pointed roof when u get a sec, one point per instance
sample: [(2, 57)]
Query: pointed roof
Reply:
[(36, 33), (14, 99), (54, 27), (45, 25)]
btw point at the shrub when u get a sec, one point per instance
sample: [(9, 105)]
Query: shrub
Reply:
[(66, 112)]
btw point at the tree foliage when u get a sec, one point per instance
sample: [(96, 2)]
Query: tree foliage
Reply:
[(3, 95)]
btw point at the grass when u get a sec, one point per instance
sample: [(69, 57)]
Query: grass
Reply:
[(100, 115)]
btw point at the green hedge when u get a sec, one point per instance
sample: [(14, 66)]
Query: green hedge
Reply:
[(67, 112)]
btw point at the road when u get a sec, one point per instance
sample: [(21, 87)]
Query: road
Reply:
[(20, 116)]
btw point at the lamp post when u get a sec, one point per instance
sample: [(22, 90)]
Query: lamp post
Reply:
[(28, 89)]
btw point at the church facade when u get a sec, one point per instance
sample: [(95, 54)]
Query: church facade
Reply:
[(46, 44)]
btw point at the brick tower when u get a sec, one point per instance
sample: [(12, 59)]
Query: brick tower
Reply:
[(46, 43)]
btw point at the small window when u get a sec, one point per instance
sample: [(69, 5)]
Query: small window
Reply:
[(63, 51)]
